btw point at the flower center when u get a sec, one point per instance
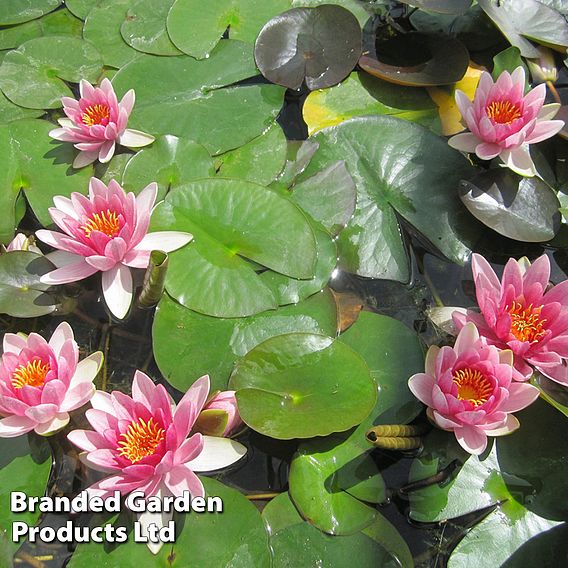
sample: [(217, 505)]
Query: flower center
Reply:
[(526, 323), (33, 374), (473, 386), (503, 112), (96, 114), (106, 222), (140, 440)]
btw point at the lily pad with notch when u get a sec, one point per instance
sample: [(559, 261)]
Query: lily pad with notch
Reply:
[(22, 294), (522, 19), (318, 45), (144, 27), (12, 11), (193, 99), (520, 208), (209, 20), (301, 385), (405, 171), (417, 59), (35, 74), (232, 221)]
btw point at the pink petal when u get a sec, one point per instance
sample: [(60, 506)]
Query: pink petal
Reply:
[(182, 479), (520, 396), (13, 343), (62, 333), (70, 273), (465, 142), (421, 386), (57, 423), (471, 439), (487, 151), (519, 160), (42, 412), (15, 426), (117, 290), (543, 130)]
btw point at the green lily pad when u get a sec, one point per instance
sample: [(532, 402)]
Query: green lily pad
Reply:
[(185, 97), (32, 162), (188, 345), (299, 155), (323, 475), (531, 492), (521, 208), (301, 385), (81, 8), (393, 354), (260, 160), (447, 62), (442, 6), (360, 95), (328, 197), (10, 111), (21, 293), (244, 18), (59, 23), (233, 220), (522, 19), (406, 171), (508, 60), (305, 545), (144, 28), (34, 75), (170, 162), (114, 170), (16, 12), (295, 542), (319, 45), (21, 469), (288, 290), (235, 537), (102, 29)]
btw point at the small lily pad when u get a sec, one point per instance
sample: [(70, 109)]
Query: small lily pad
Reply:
[(524, 209), (144, 27), (320, 45), (21, 293), (35, 74), (13, 12), (209, 20), (301, 385)]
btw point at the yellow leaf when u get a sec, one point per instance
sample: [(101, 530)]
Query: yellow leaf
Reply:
[(450, 116)]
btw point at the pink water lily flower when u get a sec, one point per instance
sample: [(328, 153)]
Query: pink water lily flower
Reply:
[(21, 242), (42, 381), (469, 390), (106, 232), (520, 313), (142, 441), (97, 122), (503, 122)]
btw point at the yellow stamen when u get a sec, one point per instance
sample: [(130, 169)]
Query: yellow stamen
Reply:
[(140, 440), (33, 374), (526, 323), (473, 386), (503, 112), (106, 222), (96, 114)]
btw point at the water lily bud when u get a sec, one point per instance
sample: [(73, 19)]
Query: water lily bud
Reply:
[(220, 417), (543, 69)]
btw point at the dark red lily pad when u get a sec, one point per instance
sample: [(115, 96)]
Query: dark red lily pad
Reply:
[(320, 45)]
